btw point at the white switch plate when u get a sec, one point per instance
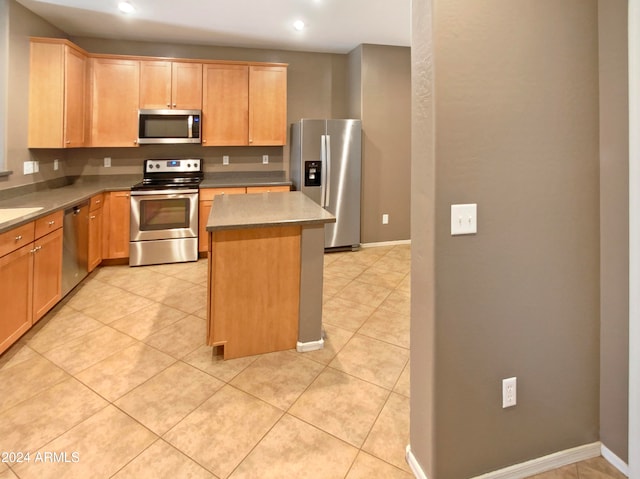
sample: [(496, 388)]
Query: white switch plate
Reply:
[(36, 166), (107, 162), (265, 159), (56, 164), (28, 167), (385, 219), (225, 159), (464, 219)]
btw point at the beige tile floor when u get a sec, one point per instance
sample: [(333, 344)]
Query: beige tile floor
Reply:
[(119, 378), (119, 374)]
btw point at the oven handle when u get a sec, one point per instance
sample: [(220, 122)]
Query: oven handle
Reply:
[(172, 193)]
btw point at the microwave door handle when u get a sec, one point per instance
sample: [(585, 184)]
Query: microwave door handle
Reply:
[(190, 127)]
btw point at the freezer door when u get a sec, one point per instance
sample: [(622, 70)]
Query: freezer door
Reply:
[(342, 182), (311, 133)]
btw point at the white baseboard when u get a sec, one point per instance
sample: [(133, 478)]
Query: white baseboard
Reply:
[(385, 243), (539, 465), (545, 463), (614, 460), (309, 346), (413, 464)]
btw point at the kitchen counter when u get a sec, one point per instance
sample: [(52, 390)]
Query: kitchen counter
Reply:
[(266, 261), (260, 210), (71, 191), (244, 178), (53, 199)]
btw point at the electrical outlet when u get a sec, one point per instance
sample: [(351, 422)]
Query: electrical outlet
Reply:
[(385, 219), (225, 159), (28, 167), (107, 162), (56, 165), (265, 159), (509, 392)]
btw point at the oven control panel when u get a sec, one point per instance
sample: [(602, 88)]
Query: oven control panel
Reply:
[(173, 166)]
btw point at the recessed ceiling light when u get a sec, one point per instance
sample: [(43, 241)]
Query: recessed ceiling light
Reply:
[(298, 25), (126, 7)]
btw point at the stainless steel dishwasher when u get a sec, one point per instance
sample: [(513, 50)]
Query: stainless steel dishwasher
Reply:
[(75, 246)]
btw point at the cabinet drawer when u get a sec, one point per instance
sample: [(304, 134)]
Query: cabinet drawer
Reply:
[(16, 238), (207, 194), (96, 202), (49, 223)]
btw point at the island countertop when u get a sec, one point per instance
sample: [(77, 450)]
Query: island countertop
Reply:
[(259, 210)]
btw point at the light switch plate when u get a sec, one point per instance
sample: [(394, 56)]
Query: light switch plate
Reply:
[(464, 219), (265, 159), (225, 159)]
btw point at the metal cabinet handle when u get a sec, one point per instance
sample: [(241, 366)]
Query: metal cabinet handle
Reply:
[(36, 249), (51, 223), (18, 238), (92, 217), (98, 202), (174, 105)]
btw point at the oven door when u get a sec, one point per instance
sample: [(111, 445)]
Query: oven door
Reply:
[(166, 214)]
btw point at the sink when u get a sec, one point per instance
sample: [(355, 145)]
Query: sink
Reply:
[(8, 214)]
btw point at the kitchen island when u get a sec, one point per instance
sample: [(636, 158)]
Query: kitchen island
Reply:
[(264, 282)]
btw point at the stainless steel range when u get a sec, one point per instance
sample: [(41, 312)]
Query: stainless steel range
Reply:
[(164, 212)]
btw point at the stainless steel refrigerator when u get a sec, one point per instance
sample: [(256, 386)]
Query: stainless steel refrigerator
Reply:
[(326, 157)]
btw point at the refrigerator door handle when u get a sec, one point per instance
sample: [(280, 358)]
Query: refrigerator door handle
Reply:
[(328, 177), (323, 179)]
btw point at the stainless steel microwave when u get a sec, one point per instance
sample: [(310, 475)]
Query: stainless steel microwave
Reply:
[(169, 126)]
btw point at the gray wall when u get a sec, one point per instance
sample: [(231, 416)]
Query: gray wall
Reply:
[(23, 24), (379, 85), (386, 144), (515, 102), (614, 226)]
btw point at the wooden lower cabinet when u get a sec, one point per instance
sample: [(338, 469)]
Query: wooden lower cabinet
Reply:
[(30, 280), (116, 220), (206, 201), (16, 294), (95, 232), (47, 273)]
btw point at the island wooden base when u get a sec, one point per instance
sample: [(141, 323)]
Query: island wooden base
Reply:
[(254, 297)]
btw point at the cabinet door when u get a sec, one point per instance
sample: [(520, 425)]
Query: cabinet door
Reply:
[(95, 239), (225, 105), (115, 99), (75, 98), (117, 213), (47, 273), (205, 210), (155, 84), (206, 201), (46, 95), (267, 105), (16, 271), (186, 86)]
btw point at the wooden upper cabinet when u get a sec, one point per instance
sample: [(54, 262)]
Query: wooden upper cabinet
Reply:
[(267, 105), (57, 94), (225, 105), (167, 84), (114, 102)]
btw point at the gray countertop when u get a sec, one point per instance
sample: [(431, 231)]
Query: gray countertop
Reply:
[(80, 189), (265, 209), (245, 178), (50, 200)]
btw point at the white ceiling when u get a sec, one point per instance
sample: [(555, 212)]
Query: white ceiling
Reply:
[(335, 26)]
